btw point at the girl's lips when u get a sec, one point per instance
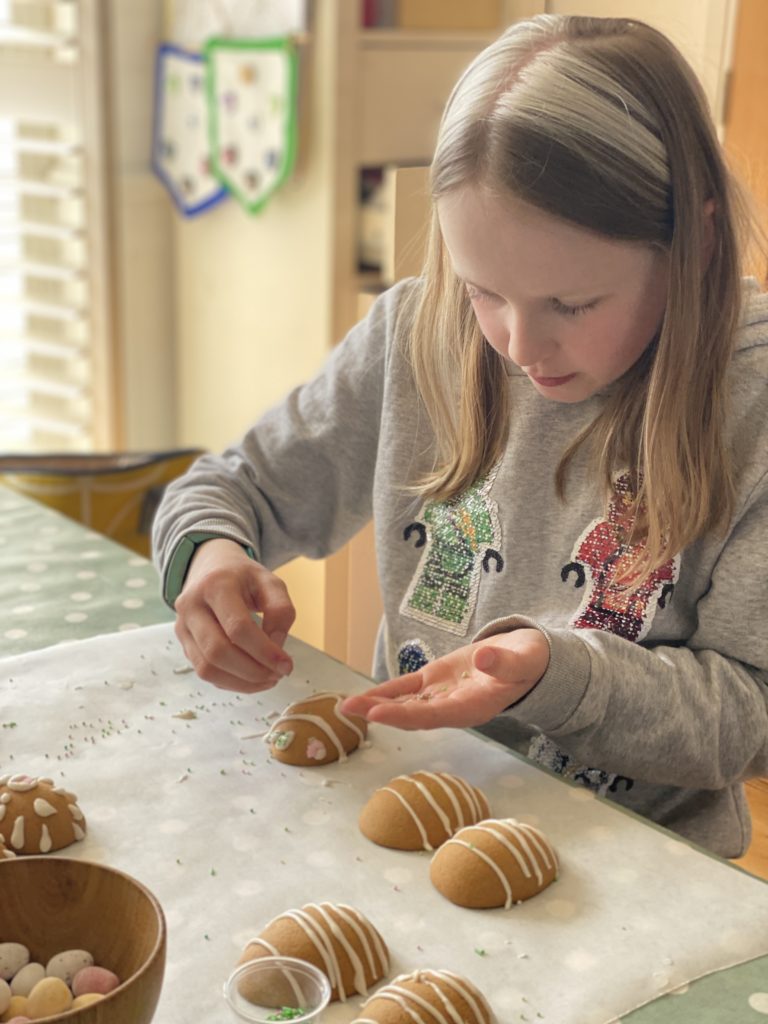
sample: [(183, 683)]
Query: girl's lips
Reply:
[(553, 382)]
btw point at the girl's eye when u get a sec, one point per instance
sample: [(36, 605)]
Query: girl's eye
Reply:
[(477, 295), (565, 310)]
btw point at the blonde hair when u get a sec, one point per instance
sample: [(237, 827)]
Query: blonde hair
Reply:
[(602, 123)]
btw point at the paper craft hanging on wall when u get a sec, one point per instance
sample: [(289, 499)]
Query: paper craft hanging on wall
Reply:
[(252, 95), (181, 142)]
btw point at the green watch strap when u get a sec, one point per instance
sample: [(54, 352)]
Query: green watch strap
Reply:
[(178, 566)]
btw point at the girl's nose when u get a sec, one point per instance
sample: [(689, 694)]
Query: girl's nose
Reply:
[(527, 344)]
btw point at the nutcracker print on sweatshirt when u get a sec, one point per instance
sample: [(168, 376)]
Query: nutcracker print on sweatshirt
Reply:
[(461, 540)]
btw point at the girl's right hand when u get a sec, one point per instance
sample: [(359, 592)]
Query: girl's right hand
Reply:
[(214, 619)]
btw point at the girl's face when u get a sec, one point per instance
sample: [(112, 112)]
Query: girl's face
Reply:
[(574, 310)]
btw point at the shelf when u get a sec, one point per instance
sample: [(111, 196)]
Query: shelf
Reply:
[(397, 38)]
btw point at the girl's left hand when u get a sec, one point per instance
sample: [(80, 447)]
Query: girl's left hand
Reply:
[(467, 687)]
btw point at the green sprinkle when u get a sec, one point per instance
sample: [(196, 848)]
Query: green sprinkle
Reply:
[(480, 952), (287, 1013), (213, 871)]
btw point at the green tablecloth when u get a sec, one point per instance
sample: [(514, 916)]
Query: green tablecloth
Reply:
[(60, 581)]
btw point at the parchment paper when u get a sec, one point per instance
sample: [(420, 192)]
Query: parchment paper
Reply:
[(227, 838)]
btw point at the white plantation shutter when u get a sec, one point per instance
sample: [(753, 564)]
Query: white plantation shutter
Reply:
[(56, 342)]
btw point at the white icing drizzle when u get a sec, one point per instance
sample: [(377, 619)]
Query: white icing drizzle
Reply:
[(42, 808), (274, 951), (2, 811), (416, 819), (492, 865), (358, 971), (527, 837), (17, 836), (5, 798), (473, 996), (448, 784), (79, 834), (4, 779), (45, 840), (75, 811), (20, 783), (474, 797)]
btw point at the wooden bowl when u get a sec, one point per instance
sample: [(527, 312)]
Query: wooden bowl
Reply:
[(51, 904)]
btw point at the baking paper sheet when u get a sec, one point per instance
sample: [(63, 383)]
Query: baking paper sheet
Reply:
[(228, 838)]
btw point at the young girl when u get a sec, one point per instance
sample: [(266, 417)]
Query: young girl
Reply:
[(561, 429)]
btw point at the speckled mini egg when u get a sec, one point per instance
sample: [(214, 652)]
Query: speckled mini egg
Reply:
[(49, 997), (25, 980), (37, 816), (5, 995), (67, 964), (94, 980), (13, 956)]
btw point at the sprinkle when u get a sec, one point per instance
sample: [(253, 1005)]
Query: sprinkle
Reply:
[(481, 952), (213, 871)]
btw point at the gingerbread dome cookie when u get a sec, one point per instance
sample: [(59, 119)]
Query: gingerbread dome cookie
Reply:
[(494, 864), (437, 996), (314, 732), (420, 811), (334, 937), (36, 816)]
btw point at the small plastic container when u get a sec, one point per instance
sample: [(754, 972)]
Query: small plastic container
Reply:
[(277, 988)]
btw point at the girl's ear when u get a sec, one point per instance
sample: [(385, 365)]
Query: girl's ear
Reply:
[(709, 231)]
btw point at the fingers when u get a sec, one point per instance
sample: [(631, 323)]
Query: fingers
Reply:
[(278, 611), (394, 689), (235, 676)]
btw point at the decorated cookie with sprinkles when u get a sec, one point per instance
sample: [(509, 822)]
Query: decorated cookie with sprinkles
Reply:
[(338, 939), (36, 816), (495, 863), (439, 997), (420, 811), (314, 732)]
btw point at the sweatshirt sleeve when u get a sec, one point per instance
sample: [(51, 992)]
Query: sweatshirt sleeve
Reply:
[(689, 716), (300, 481)]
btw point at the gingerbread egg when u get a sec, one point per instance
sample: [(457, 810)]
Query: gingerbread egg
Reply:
[(315, 732), (495, 863), (420, 811), (338, 939), (36, 816), (439, 996)]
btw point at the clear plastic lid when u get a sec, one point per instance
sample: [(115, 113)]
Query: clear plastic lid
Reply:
[(277, 988)]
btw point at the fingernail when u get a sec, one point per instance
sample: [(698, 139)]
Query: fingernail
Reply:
[(284, 667), (278, 638), (485, 660)]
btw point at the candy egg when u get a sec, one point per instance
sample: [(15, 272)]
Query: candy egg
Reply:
[(49, 997), (25, 980), (13, 956), (94, 979), (86, 999), (5, 995), (16, 1008), (65, 965)]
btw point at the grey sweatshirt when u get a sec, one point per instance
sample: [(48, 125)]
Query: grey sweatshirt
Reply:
[(656, 700)]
